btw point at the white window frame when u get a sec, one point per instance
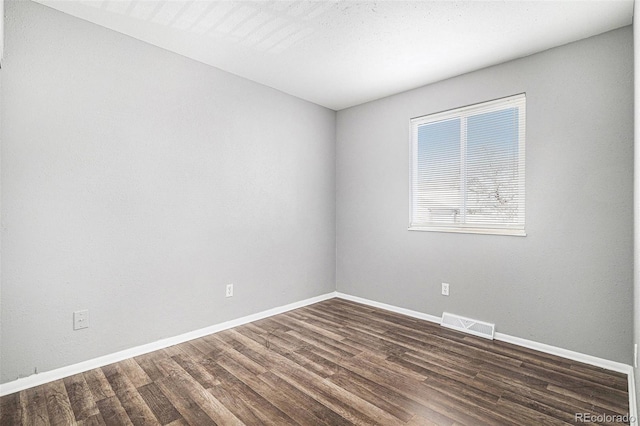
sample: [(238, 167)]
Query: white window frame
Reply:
[(518, 101)]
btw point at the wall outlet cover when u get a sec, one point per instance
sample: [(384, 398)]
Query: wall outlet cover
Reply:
[(81, 319), (445, 289)]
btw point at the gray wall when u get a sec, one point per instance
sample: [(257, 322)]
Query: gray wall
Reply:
[(138, 183), (568, 283)]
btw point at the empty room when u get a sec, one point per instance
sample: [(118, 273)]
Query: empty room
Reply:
[(318, 212)]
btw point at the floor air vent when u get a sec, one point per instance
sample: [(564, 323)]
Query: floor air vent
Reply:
[(468, 325)]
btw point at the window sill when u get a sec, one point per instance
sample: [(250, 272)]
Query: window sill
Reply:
[(470, 230)]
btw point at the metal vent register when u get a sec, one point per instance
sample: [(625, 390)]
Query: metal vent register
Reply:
[(468, 325)]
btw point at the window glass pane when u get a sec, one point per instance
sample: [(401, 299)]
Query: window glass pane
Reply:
[(492, 168), (438, 192)]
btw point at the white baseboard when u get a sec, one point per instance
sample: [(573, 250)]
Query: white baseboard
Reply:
[(60, 373), (633, 404), (407, 312), (81, 367), (541, 347), (565, 353)]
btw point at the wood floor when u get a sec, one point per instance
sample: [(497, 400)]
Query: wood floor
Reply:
[(331, 363)]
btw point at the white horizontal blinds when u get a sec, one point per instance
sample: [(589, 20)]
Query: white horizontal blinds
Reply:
[(437, 188), (493, 179), (469, 167)]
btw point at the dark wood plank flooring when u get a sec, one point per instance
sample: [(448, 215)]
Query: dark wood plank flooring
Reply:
[(331, 363)]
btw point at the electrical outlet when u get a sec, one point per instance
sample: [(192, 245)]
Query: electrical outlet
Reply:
[(229, 292), (445, 289), (81, 319)]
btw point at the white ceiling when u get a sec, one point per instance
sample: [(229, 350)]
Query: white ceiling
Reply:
[(343, 53)]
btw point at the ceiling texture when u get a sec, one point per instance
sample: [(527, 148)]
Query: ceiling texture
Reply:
[(344, 53)]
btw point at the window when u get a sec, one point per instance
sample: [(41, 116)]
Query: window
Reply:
[(468, 169)]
